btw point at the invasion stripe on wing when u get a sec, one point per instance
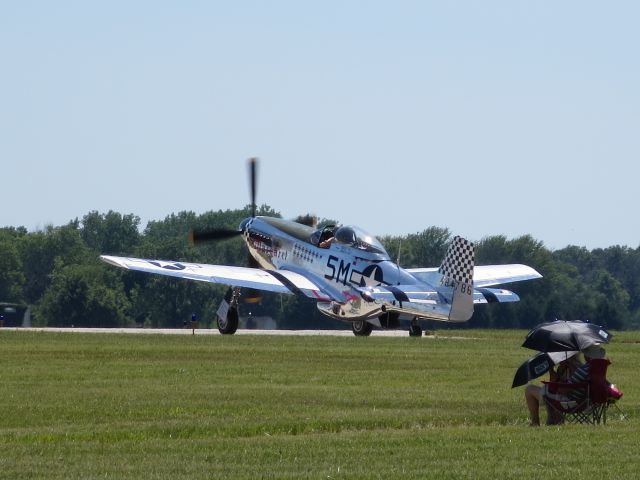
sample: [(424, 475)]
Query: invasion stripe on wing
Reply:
[(286, 282), (488, 295)]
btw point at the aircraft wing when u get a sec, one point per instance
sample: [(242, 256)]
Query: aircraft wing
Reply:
[(487, 275), (483, 275), (279, 281)]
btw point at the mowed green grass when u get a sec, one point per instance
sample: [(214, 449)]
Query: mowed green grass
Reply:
[(153, 406)]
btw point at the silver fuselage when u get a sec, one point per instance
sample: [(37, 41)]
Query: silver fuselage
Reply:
[(285, 245)]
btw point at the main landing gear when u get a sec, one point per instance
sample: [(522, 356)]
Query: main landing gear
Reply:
[(415, 330), (361, 328), (227, 313)]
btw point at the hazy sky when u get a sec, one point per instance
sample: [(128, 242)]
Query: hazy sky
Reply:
[(493, 117)]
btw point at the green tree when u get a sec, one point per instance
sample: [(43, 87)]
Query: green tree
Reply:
[(87, 295), (422, 249), (607, 283), (623, 264), (110, 233), (40, 251), (611, 302), (11, 272)]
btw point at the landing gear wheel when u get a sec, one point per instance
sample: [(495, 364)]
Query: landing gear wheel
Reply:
[(361, 328), (229, 325), (415, 330)]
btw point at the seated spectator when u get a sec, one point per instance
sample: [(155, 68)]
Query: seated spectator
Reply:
[(564, 369), (533, 394)]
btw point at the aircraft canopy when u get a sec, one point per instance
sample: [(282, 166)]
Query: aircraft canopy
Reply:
[(358, 238)]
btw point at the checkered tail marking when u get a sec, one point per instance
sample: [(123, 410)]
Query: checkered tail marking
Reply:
[(458, 263)]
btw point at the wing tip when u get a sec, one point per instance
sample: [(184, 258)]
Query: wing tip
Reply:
[(115, 261)]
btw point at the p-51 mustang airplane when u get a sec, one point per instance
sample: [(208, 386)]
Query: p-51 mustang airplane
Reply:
[(346, 271)]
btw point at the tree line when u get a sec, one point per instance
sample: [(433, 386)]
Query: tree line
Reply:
[(57, 272)]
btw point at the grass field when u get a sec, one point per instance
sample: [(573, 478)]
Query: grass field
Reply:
[(153, 406)]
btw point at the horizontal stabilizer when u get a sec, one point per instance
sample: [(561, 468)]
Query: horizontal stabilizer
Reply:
[(399, 293), (412, 293)]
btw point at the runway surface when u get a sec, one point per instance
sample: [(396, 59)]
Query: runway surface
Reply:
[(213, 331)]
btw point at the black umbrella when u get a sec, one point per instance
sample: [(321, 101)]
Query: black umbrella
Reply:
[(565, 335), (538, 365)]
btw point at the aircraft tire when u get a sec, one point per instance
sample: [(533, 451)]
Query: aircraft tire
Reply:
[(415, 331), (229, 325), (361, 328)]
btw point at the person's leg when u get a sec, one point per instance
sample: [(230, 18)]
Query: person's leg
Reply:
[(553, 417), (532, 395)]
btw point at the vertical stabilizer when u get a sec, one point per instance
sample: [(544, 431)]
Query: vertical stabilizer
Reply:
[(457, 273)]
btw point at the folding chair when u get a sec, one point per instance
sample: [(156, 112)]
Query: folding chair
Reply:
[(591, 402)]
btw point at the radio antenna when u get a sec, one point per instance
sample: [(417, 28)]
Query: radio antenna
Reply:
[(398, 259)]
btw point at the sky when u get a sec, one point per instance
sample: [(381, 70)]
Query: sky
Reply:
[(487, 118)]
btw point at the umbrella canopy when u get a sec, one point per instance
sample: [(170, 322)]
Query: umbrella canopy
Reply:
[(565, 335), (538, 365)]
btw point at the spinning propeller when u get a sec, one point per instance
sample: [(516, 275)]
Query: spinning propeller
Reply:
[(198, 237), (201, 236)]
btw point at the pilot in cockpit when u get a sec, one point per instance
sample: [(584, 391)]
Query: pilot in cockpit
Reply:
[(327, 243), (327, 236)]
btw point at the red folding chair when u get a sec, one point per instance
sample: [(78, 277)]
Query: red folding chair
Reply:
[(583, 402)]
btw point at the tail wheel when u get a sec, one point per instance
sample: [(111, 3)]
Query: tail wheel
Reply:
[(229, 325), (361, 328)]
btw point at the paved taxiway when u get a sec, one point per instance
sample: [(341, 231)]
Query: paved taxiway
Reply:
[(213, 331)]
